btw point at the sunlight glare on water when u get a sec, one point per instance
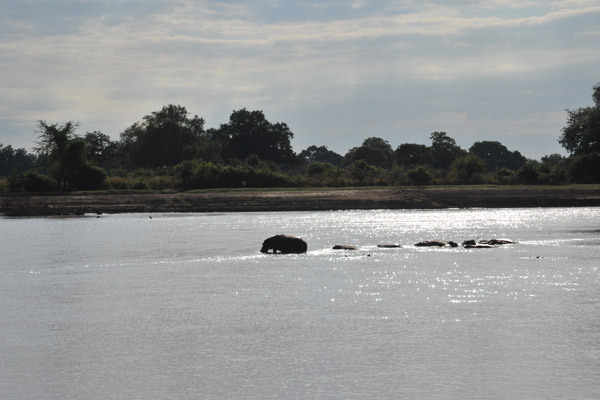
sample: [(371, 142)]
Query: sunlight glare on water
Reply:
[(185, 306)]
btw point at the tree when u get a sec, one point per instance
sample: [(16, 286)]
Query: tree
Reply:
[(419, 176), (249, 132), (321, 154), (411, 155), (53, 142), (362, 171), (18, 160), (528, 173), (30, 181), (497, 156), (163, 138), (374, 151), (319, 168), (67, 157), (466, 167), (552, 159), (581, 135), (81, 174), (445, 150), (100, 150), (585, 168)]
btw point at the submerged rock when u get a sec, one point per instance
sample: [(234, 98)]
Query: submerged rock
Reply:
[(344, 247), (436, 243), (497, 241)]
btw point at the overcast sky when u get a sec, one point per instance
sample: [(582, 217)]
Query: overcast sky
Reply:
[(335, 71)]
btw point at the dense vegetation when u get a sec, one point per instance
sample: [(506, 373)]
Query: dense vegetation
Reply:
[(171, 149)]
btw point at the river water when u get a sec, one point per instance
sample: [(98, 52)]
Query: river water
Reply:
[(184, 306)]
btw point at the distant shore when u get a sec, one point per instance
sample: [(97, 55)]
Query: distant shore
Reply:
[(303, 200)]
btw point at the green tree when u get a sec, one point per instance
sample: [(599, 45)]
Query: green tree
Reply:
[(100, 150), (419, 176), (321, 154), (163, 138), (81, 174), (505, 176), (528, 174), (445, 150), (585, 168), (249, 132), (362, 171), (497, 156), (30, 181), (552, 159), (465, 168), (411, 155), (319, 168), (374, 151), (18, 160), (53, 142), (581, 135), (67, 157)]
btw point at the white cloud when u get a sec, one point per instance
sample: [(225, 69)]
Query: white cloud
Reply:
[(216, 56)]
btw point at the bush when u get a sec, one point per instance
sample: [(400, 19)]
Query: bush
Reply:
[(585, 168), (419, 176), (505, 176), (119, 183), (162, 182), (140, 185), (468, 169), (528, 173), (30, 181), (199, 174), (88, 177)]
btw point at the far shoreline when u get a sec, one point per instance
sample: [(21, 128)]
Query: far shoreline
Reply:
[(301, 199)]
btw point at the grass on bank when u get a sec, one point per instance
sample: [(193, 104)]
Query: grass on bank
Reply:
[(109, 192)]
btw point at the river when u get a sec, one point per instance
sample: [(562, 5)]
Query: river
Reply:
[(184, 306)]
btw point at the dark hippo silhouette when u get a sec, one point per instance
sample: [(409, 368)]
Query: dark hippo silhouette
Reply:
[(436, 243), (344, 247), (284, 244), (390, 245)]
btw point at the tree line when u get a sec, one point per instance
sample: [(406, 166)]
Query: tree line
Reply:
[(171, 149)]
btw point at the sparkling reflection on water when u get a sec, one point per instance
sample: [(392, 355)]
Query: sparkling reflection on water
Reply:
[(184, 306)]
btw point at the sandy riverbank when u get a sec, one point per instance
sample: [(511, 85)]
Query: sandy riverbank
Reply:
[(305, 200)]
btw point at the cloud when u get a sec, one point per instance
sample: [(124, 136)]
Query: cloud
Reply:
[(328, 68)]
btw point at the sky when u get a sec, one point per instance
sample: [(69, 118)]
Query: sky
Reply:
[(337, 72)]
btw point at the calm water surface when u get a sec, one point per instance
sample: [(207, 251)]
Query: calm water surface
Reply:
[(185, 306)]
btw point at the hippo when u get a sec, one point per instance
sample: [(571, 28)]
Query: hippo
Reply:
[(436, 243), (344, 247), (390, 246), (284, 244)]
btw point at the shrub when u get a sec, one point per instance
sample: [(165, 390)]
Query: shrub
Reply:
[(528, 173), (419, 176), (506, 176), (468, 169), (88, 177), (119, 183), (585, 168), (30, 181), (140, 185)]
